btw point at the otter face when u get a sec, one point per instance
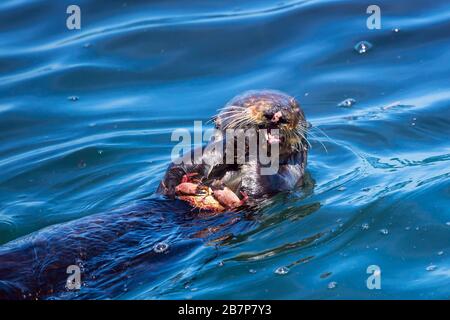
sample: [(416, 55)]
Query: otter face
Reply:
[(266, 110)]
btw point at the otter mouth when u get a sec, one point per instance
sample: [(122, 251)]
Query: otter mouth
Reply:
[(273, 137), (273, 133)]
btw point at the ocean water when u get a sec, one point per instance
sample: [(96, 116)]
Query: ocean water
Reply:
[(86, 118)]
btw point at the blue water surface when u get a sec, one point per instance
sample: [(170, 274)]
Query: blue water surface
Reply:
[(86, 118)]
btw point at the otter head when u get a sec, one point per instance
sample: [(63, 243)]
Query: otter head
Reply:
[(268, 110)]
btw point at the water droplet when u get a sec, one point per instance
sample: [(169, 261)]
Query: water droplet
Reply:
[(161, 247), (347, 103), (365, 226), (332, 285), (431, 267), (396, 30), (384, 231), (73, 98), (252, 271), (282, 270), (363, 46)]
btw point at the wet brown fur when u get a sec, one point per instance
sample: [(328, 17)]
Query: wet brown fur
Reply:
[(253, 109)]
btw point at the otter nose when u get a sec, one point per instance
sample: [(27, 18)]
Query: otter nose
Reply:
[(276, 117)]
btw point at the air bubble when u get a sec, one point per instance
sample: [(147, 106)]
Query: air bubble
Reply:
[(431, 267), (161, 247), (332, 285), (347, 103), (282, 270), (363, 46), (384, 231), (73, 98)]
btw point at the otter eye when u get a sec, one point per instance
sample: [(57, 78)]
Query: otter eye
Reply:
[(283, 120)]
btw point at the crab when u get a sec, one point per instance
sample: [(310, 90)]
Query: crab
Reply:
[(204, 198)]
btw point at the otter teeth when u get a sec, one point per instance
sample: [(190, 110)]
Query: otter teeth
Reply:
[(271, 139)]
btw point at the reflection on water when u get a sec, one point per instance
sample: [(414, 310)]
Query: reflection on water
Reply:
[(86, 118)]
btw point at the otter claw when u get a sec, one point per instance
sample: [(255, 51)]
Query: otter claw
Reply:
[(244, 199)]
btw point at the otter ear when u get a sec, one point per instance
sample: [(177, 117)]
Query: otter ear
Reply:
[(294, 103)]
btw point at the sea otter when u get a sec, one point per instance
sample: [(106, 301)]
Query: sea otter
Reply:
[(115, 251), (214, 184)]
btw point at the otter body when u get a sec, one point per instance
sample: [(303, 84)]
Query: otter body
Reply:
[(115, 250), (256, 110)]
